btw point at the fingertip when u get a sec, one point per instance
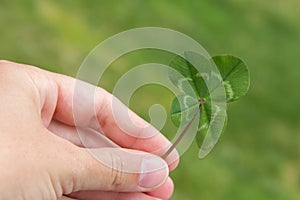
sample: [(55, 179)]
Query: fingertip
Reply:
[(154, 172), (173, 160), (165, 191)]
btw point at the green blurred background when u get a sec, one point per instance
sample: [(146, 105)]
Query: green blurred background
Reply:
[(258, 157)]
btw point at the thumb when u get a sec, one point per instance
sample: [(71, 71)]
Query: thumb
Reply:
[(117, 169)]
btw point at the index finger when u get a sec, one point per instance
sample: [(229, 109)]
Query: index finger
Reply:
[(85, 105)]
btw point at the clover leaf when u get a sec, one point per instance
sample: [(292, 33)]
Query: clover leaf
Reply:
[(232, 78)]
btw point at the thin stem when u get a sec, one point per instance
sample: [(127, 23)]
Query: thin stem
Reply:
[(183, 133)]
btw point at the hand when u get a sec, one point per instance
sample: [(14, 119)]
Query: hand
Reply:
[(43, 157)]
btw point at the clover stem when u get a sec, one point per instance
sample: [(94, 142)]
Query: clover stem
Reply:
[(183, 133)]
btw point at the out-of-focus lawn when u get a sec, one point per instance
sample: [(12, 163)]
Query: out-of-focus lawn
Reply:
[(258, 157)]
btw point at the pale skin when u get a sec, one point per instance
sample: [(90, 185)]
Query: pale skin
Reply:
[(43, 158)]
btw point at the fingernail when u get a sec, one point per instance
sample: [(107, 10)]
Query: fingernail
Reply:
[(154, 172)]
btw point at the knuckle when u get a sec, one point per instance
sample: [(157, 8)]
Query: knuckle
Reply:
[(8, 67), (117, 171), (4, 62)]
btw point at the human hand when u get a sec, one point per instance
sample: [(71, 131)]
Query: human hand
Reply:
[(43, 157)]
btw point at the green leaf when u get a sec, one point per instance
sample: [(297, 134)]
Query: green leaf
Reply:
[(217, 121), (233, 77), (185, 111), (190, 73)]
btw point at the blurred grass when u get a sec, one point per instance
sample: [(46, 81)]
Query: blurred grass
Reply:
[(258, 157)]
